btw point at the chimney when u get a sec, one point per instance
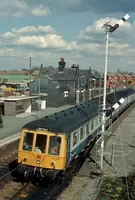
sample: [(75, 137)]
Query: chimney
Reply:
[(62, 64)]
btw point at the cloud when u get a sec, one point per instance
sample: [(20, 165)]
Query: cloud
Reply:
[(19, 8), (96, 32), (89, 6), (109, 6), (33, 29), (131, 62), (43, 43), (8, 35), (36, 38), (47, 41), (40, 11)]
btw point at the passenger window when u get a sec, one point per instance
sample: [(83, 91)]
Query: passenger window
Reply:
[(28, 141), (81, 133), (40, 143), (74, 138), (87, 129), (92, 125), (96, 122), (54, 145)]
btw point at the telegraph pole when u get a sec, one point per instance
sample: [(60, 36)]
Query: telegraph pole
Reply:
[(29, 73), (90, 88), (77, 82), (39, 81), (78, 86), (108, 29)]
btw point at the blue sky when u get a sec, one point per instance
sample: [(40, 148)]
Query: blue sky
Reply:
[(49, 29)]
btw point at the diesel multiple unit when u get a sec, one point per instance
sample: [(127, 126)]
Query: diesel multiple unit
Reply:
[(49, 145)]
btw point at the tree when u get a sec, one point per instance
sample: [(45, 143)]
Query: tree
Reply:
[(118, 71), (24, 69)]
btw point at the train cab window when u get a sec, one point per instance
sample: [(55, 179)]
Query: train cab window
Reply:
[(74, 138), (54, 145), (28, 141), (40, 145)]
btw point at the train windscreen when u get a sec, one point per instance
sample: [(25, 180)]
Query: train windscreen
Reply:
[(40, 146), (28, 141), (54, 145)]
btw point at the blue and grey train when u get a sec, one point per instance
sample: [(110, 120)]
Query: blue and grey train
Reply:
[(48, 145)]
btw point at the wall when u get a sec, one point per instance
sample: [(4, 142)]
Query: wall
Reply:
[(14, 77)]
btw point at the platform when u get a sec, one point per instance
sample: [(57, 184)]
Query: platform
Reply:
[(124, 148), (12, 125)]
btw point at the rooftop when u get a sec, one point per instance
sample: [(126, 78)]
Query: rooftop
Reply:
[(15, 72)]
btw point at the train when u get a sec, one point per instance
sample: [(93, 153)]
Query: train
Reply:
[(49, 145)]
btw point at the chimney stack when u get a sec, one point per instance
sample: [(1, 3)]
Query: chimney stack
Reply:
[(62, 64)]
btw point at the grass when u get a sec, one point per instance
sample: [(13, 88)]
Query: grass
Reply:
[(114, 188)]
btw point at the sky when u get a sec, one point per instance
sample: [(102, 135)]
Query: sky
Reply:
[(46, 30)]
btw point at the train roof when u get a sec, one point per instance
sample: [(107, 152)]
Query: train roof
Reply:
[(66, 121)]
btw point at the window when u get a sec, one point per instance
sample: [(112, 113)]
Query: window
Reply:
[(96, 122), (28, 141), (40, 143), (74, 138), (92, 125), (5, 80), (81, 133), (54, 145), (87, 129)]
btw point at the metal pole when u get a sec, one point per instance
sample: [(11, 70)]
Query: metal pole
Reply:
[(29, 73), (78, 86), (104, 97), (90, 88), (39, 81), (112, 156)]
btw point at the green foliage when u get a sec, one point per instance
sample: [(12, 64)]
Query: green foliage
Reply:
[(118, 189), (115, 196)]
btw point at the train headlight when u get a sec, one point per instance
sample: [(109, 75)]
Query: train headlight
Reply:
[(25, 159), (38, 161), (52, 164)]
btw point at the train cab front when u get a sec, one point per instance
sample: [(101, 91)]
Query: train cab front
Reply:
[(41, 155)]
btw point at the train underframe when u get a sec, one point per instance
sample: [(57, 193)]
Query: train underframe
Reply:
[(26, 173)]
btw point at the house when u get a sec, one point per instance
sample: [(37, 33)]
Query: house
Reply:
[(122, 78), (129, 78), (112, 79), (132, 82)]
